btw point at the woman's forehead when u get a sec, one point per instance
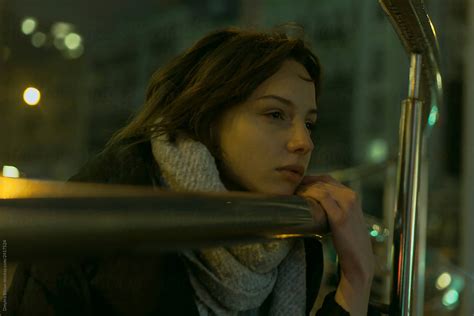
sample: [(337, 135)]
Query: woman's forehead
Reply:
[(288, 87), (291, 83)]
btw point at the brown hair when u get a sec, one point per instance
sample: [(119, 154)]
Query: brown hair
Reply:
[(220, 71)]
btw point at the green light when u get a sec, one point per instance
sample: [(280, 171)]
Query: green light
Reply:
[(450, 298), (28, 26), (374, 233), (433, 116), (72, 41), (378, 150)]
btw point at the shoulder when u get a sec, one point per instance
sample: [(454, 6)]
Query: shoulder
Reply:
[(128, 162)]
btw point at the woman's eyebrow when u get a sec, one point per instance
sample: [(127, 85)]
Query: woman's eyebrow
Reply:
[(286, 102)]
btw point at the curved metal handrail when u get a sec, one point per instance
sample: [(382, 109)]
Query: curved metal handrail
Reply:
[(418, 36), (40, 218)]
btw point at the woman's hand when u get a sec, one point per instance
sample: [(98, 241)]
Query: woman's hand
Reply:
[(350, 238)]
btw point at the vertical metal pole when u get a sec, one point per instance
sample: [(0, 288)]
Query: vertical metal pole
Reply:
[(408, 175)]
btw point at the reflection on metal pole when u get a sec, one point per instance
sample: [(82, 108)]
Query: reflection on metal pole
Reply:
[(421, 231), (404, 240)]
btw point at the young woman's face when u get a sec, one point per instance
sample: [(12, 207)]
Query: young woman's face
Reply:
[(265, 142)]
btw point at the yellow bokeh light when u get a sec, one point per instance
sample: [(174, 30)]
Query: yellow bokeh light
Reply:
[(31, 96), (72, 41), (28, 26), (443, 281), (10, 172)]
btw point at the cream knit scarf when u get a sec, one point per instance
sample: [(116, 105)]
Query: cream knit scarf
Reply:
[(233, 280)]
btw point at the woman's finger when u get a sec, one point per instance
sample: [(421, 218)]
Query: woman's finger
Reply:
[(347, 198), (339, 192), (324, 198), (309, 181), (321, 178)]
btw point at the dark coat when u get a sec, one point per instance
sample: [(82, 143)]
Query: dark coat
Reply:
[(155, 285)]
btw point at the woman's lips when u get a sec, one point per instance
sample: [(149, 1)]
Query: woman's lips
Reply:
[(290, 175)]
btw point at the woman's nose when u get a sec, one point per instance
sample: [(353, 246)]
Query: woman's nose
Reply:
[(300, 141)]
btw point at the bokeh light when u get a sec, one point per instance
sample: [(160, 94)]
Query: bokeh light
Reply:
[(61, 29), (75, 53), (72, 41), (10, 172), (433, 118), (28, 26), (38, 39), (450, 298), (443, 281), (378, 150), (31, 96)]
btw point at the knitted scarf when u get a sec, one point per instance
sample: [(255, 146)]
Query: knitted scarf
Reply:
[(232, 280)]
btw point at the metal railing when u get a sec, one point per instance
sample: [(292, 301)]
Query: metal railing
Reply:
[(413, 25), (40, 218)]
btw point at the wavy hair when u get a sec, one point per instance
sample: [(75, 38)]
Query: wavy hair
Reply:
[(218, 72)]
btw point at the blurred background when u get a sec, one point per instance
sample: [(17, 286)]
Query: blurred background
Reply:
[(72, 72)]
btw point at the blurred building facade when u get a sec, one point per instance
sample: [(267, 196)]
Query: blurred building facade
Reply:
[(338, 30), (45, 140)]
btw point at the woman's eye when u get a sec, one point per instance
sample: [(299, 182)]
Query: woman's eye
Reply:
[(276, 115), (310, 126)]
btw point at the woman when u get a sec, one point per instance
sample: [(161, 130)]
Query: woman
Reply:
[(234, 112)]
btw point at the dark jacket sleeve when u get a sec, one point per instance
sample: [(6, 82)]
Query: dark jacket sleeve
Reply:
[(52, 288)]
